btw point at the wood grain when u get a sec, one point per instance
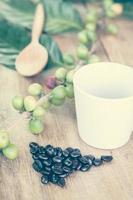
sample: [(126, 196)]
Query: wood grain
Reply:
[(17, 179)]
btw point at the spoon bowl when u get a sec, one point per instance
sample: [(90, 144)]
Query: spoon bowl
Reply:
[(32, 59)]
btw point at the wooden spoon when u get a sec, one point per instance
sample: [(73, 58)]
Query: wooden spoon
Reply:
[(33, 58)]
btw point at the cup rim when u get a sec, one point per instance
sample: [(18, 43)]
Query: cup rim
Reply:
[(94, 96)]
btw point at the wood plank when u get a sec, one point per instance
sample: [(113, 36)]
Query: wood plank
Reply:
[(119, 49)]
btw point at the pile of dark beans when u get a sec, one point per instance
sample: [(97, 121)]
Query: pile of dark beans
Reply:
[(55, 164)]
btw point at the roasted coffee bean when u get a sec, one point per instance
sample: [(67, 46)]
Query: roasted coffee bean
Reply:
[(66, 169), (48, 169), (44, 179), (48, 146), (69, 149), (58, 151), (35, 156), (75, 164), (61, 182), (65, 153), (83, 160), (97, 162), (49, 150), (85, 168), (90, 157), (75, 153), (64, 175), (57, 159), (54, 178), (34, 150), (79, 166), (55, 152), (57, 170), (57, 165), (36, 167), (39, 163), (43, 156), (42, 150), (33, 145), (45, 172), (106, 158), (68, 162), (47, 162)]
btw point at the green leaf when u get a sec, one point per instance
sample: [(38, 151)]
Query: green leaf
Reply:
[(60, 16), (55, 55), (14, 38), (18, 12)]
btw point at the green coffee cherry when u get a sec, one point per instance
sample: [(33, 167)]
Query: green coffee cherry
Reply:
[(29, 103), (11, 151), (46, 104), (59, 92), (68, 59), (113, 29), (91, 27), (70, 75), (92, 36), (107, 4), (93, 59), (82, 37), (4, 139), (57, 102), (60, 74), (110, 14), (35, 89), (36, 126), (91, 16), (70, 90), (18, 102), (39, 112), (82, 52)]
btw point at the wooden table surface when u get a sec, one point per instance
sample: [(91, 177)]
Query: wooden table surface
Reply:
[(17, 179)]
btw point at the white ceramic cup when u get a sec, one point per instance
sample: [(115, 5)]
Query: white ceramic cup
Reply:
[(104, 104)]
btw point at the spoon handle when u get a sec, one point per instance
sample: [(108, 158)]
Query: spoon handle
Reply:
[(38, 23)]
